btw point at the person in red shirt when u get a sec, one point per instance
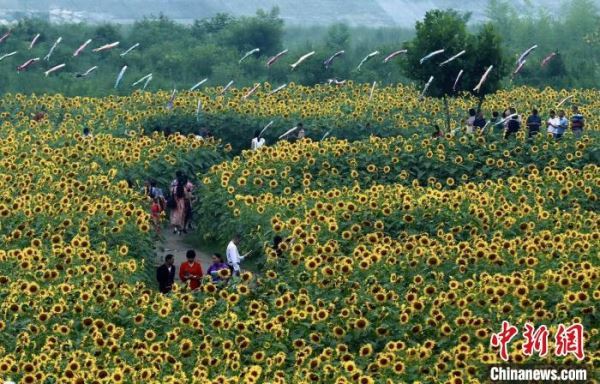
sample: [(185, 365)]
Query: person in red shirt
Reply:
[(155, 210), (191, 270)]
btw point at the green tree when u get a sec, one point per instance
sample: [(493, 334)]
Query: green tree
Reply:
[(338, 37), (447, 30), (504, 17), (486, 49), (26, 29), (214, 25), (581, 17), (556, 68), (154, 31), (107, 33), (439, 30), (311, 71), (264, 31), (569, 32)]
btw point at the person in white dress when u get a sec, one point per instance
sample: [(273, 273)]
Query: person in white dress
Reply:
[(257, 141), (552, 123)]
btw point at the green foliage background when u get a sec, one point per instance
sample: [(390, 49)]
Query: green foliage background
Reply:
[(181, 55)]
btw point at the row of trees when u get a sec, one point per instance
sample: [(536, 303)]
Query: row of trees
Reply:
[(180, 55), (574, 35)]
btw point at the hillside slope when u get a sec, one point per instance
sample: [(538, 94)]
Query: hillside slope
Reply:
[(355, 12)]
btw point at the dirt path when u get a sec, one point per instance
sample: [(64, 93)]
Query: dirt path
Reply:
[(177, 245)]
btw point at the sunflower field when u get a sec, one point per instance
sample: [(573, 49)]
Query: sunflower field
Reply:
[(402, 254)]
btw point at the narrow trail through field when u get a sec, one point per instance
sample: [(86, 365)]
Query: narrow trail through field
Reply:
[(178, 246)]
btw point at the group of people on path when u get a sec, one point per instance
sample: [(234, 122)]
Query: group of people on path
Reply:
[(190, 271), (178, 203), (510, 122), (507, 123)]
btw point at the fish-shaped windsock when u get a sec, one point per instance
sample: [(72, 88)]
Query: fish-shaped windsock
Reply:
[(5, 36), (120, 76), (171, 102), (487, 123), (7, 55), (507, 118), (195, 86), (430, 55), (278, 56), (547, 59), (86, 73), (460, 73), (27, 64), (459, 54), (422, 95), (288, 132), (394, 54), (327, 63), (148, 80), (47, 57), (525, 54), (106, 47), (141, 79), (301, 59), (34, 40), (249, 53), (367, 58), (519, 67), (564, 100), (198, 107), (54, 69), (482, 80), (265, 128), (372, 89), (227, 87), (251, 91), (82, 47), (335, 81), (278, 89), (134, 46)]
